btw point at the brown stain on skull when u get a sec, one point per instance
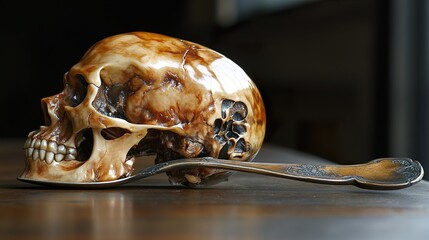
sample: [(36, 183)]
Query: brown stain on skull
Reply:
[(152, 79)]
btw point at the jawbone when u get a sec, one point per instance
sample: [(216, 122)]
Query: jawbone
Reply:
[(49, 161)]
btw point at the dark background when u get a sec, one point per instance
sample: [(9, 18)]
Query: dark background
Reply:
[(344, 80)]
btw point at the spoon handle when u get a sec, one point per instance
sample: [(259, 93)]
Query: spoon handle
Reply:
[(382, 174)]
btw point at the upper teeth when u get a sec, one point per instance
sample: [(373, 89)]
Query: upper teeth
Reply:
[(44, 150)]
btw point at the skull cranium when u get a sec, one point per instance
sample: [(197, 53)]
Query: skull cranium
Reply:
[(143, 93)]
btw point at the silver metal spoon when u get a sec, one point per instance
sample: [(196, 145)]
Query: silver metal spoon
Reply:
[(382, 174)]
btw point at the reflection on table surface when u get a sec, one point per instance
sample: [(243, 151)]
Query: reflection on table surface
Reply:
[(246, 207)]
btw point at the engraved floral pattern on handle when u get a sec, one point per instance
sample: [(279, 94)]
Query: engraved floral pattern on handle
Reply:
[(309, 171)]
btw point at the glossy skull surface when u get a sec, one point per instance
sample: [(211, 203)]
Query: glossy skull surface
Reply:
[(142, 93)]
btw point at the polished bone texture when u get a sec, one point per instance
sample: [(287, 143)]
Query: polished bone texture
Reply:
[(138, 94)]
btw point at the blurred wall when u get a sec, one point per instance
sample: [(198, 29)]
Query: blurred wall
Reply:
[(409, 80), (322, 70), (41, 40), (322, 66)]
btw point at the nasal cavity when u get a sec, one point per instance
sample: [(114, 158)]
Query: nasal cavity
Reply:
[(113, 133)]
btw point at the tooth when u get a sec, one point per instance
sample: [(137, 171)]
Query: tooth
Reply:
[(42, 154), (62, 149), (33, 141), (37, 144), (30, 152), (27, 143), (71, 151), (59, 157), (70, 157), (35, 154), (49, 157), (43, 144), (52, 147)]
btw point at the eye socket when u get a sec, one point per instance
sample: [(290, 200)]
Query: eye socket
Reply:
[(77, 88), (111, 100)]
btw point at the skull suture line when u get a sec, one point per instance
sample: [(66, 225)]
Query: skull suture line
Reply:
[(140, 94)]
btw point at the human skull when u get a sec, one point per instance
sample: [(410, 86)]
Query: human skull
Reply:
[(140, 94)]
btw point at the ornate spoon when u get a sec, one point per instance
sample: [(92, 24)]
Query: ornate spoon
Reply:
[(382, 174)]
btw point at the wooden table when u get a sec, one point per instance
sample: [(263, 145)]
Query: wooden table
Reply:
[(247, 207)]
